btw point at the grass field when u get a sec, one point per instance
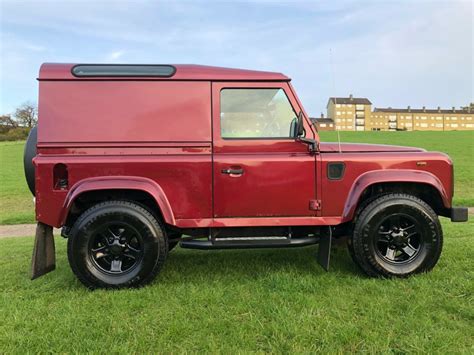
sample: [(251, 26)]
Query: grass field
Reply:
[(16, 201), (242, 301)]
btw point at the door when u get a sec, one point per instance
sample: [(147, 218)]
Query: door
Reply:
[(259, 168)]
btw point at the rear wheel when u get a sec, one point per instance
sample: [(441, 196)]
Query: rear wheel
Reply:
[(116, 244), (396, 235)]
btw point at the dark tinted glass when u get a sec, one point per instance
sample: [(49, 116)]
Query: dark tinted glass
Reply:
[(123, 70)]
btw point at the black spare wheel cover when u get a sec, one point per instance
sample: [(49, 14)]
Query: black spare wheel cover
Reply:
[(28, 155)]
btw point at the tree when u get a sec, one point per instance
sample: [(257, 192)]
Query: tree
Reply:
[(27, 114), (7, 122)]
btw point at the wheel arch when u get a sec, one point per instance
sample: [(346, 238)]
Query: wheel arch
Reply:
[(422, 184), (143, 190)]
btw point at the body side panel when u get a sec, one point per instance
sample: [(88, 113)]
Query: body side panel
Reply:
[(340, 197), (123, 112)]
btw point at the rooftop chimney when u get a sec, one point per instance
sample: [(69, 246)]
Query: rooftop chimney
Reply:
[(409, 109), (351, 97), (424, 108), (439, 109)]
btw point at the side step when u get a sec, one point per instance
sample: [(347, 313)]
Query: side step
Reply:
[(248, 242)]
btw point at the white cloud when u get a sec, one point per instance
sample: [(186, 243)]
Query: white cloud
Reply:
[(115, 55)]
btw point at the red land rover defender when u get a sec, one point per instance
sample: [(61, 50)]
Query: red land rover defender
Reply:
[(131, 160)]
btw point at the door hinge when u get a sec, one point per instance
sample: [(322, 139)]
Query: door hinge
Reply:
[(315, 205)]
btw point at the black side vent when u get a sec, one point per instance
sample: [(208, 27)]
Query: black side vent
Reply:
[(336, 170)]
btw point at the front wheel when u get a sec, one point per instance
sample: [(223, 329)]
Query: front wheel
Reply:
[(396, 235), (116, 244)]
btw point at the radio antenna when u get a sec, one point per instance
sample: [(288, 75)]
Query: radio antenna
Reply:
[(333, 77)]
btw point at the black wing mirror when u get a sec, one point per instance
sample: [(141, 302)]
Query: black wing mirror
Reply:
[(299, 125), (299, 130)]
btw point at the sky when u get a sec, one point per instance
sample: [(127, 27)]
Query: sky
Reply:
[(396, 53)]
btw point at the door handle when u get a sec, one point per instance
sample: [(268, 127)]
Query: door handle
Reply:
[(234, 171)]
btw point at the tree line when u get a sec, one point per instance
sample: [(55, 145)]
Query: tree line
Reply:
[(17, 126)]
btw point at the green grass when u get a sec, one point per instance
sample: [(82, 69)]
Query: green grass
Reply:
[(16, 204), (246, 301)]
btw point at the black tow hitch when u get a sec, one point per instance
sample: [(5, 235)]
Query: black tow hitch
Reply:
[(44, 256)]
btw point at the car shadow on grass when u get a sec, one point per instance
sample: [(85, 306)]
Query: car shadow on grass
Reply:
[(253, 263)]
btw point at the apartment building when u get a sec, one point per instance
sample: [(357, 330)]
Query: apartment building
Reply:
[(323, 123), (349, 113), (354, 114), (422, 119)]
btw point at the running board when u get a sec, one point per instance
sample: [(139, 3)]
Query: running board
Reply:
[(248, 243)]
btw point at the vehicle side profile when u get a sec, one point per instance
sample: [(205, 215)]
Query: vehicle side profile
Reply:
[(131, 160)]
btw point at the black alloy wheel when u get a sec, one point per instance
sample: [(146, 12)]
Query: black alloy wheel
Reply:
[(396, 235), (117, 244), (116, 248), (399, 238)]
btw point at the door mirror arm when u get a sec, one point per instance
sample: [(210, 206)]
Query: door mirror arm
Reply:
[(312, 143)]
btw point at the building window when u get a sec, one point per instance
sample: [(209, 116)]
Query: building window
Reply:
[(256, 113)]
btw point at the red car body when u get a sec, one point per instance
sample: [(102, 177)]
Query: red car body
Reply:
[(157, 136), (161, 136)]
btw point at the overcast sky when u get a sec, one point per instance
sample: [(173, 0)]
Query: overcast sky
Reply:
[(396, 53)]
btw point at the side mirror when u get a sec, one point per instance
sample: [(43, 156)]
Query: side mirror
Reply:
[(299, 133), (299, 125)]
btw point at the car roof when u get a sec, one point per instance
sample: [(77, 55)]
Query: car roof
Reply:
[(63, 71)]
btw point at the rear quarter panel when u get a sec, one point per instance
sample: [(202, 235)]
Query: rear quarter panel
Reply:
[(155, 130)]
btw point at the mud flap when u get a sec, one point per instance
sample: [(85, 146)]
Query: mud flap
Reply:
[(44, 256), (324, 250)]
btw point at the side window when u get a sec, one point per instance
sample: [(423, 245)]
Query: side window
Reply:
[(256, 113)]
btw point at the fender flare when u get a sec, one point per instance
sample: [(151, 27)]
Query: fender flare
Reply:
[(387, 176), (119, 183)]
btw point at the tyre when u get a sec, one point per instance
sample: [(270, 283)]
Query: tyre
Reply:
[(116, 244), (28, 155), (396, 235)]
